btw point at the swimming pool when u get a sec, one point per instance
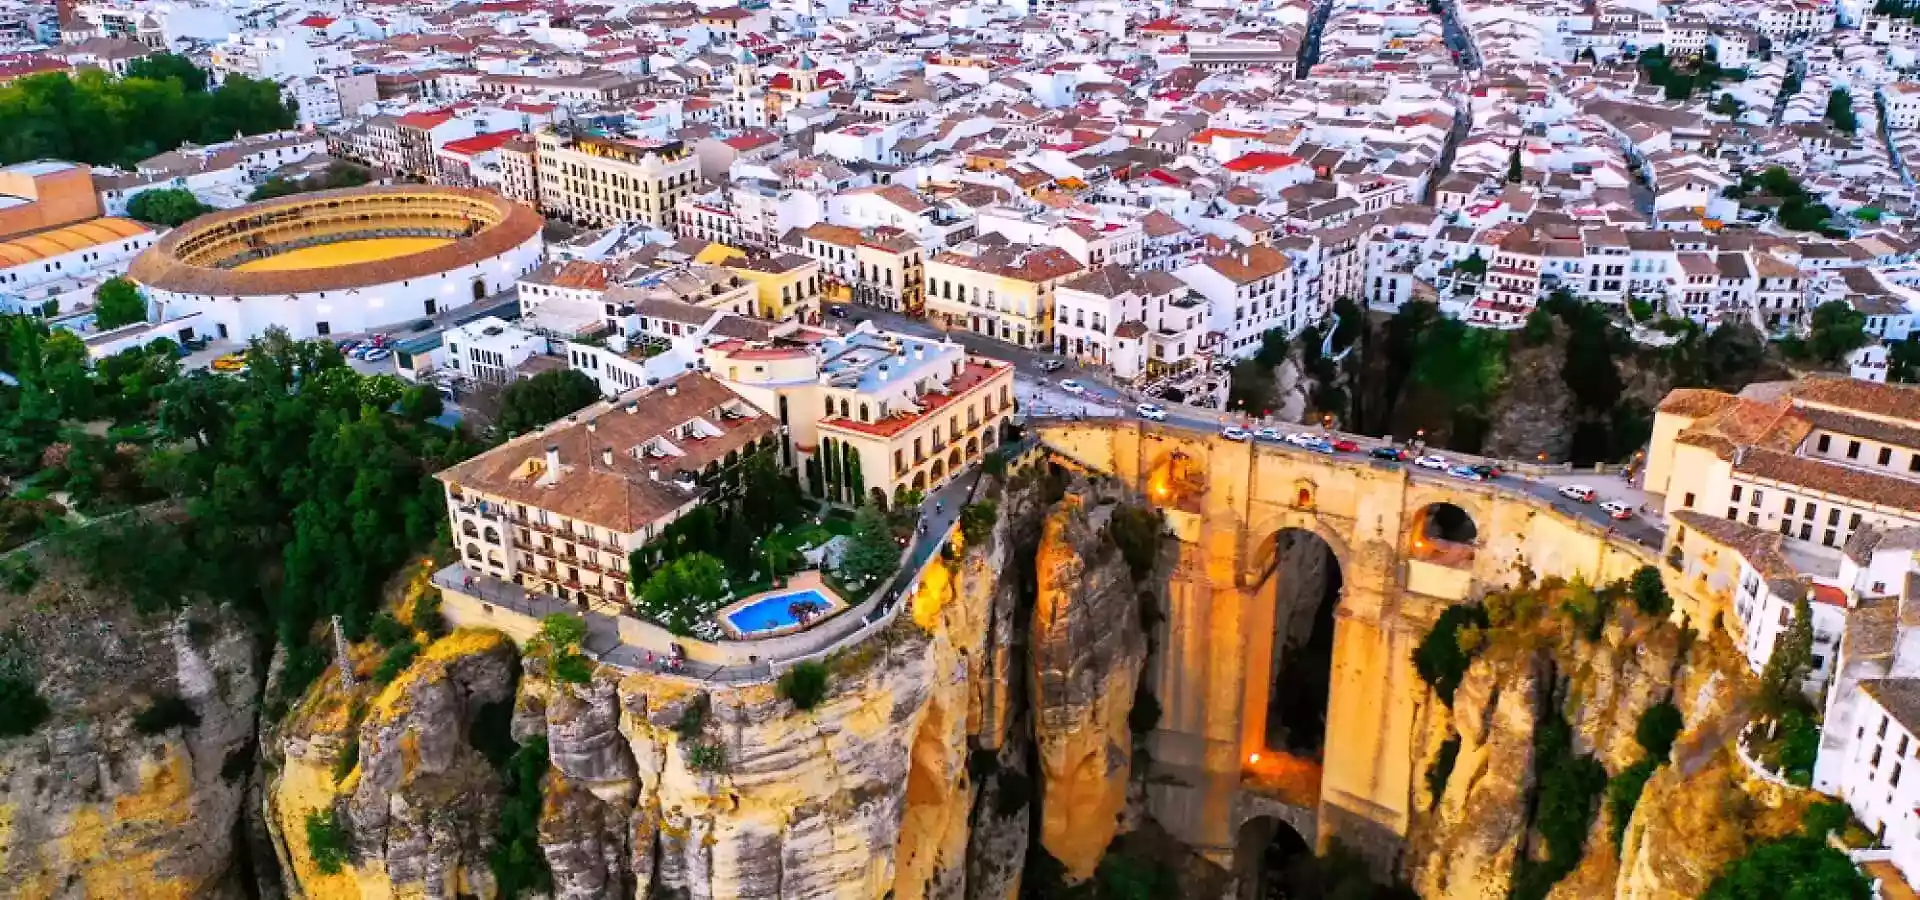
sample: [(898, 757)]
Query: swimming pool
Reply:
[(775, 612)]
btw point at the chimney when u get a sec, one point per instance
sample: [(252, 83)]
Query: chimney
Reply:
[(654, 473), (672, 390), (1246, 259), (606, 455), (553, 460)]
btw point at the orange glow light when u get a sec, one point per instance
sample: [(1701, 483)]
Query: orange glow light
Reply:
[(1253, 757)]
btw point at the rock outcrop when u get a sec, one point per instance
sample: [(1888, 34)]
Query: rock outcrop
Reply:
[(1088, 651), (94, 803)]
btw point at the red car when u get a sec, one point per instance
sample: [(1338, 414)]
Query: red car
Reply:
[(1345, 446)]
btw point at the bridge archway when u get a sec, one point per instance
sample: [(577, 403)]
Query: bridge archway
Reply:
[(1266, 851), (1443, 521), (1294, 599)]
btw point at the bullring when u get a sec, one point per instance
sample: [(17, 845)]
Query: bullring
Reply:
[(337, 262)]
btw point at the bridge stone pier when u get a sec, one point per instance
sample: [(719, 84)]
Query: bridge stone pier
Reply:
[(1232, 506)]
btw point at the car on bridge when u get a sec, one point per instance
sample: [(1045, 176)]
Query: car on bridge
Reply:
[(1073, 387), (1617, 510), (1469, 473), (1344, 445), (1235, 433), (1153, 411), (1269, 433), (1432, 461), (1579, 493), (1394, 454)]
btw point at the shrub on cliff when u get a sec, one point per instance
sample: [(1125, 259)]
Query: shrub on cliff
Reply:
[(976, 521), (805, 685), (1136, 531), (1442, 768), (1791, 869), (1568, 787), (396, 661), (706, 757), (327, 841), (21, 707), (1650, 592), (518, 864), (1658, 728), (1623, 795), (165, 712), (1441, 659)]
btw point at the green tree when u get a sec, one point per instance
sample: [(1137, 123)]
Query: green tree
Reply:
[(1835, 330), (1659, 726), (1792, 659), (1444, 654), (805, 685), (1799, 867), (1515, 172), (1903, 361), (682, 593), (164, 66), (871, 553), (170, 207), (530, 403), (116, 302), (519, 866), (1726, 105), (1650, 592), (1840, 111)]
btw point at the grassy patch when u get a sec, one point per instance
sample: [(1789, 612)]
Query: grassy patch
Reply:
[(1443, 656), (327, 841)]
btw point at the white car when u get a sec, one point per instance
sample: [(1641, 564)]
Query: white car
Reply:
[(1302, 438), (1617, 510), (377, 354), (1051, 365), (1578, 493), (1432, 461), (1073, 387), (1234, 433), (1153, 411)]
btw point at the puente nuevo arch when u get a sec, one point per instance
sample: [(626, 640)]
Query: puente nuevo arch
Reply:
[(1225, 501)]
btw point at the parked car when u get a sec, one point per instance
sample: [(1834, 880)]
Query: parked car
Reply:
[(1073, 387), (837, 311), (1487, 470), (1578, 492), (1618, 510), (1319, 446), (1052, 365), (1269, 434), (1235, 433), (377, 354), (1432, 461), (1346, 446), (1393, 453), (1467, 472), (1302, 438), (1153, 411)]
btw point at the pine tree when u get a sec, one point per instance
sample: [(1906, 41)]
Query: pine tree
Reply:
[(1514, 170), (1792, 659)]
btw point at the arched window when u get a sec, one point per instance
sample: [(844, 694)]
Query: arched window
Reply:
[(473, 552)]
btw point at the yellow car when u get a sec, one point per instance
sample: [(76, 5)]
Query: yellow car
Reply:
[(232, 362)]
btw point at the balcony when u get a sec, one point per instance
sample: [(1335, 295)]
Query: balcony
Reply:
[(580, 539), (482, 510)]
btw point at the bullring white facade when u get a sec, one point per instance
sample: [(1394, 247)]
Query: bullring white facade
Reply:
[(195, 268)]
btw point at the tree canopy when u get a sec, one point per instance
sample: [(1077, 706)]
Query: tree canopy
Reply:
[(1835, 330), (166, 206), (118, 302), (533, 402), (95, 118), (338, 174), (871, 550)]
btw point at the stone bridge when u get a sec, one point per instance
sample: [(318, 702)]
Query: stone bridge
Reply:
[(1240, 512)]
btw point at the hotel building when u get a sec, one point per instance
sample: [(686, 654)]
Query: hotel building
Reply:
[(607, 180)]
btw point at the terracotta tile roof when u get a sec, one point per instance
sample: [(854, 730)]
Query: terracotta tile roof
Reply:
[(1759, 547), (1023, 263), (1890, 400), (1251, 265), (1899, 434), (1695, 402), (621, 495), (1866, 487)]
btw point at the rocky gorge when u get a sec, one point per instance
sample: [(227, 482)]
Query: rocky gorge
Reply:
[(984, 744)]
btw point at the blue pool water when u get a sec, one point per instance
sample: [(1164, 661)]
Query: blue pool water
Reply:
[(771, 612)]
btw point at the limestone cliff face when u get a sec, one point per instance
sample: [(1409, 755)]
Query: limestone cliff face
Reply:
[(1695, 814), (393, 764), (1088, 650), (90, 806), (1476, 832)]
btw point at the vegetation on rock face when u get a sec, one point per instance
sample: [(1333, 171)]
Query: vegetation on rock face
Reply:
[(167, 711), (327, 841), (1566, 793), (398, 658), (976, 521), (1659, 726), (22, 709), (519, 866), (804, 685), (1442, 768), (1650, 592), (1443, 656), (1136, 531), (1796, 867), (706, 758), (1623, 795), (559, 644)]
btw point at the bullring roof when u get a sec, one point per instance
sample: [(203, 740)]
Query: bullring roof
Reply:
[(161, 267), (61, 241)]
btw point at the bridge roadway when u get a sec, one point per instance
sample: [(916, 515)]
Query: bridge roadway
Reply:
[(1645, 531)]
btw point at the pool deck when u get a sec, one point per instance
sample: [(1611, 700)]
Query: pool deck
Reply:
[(800, 583)]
